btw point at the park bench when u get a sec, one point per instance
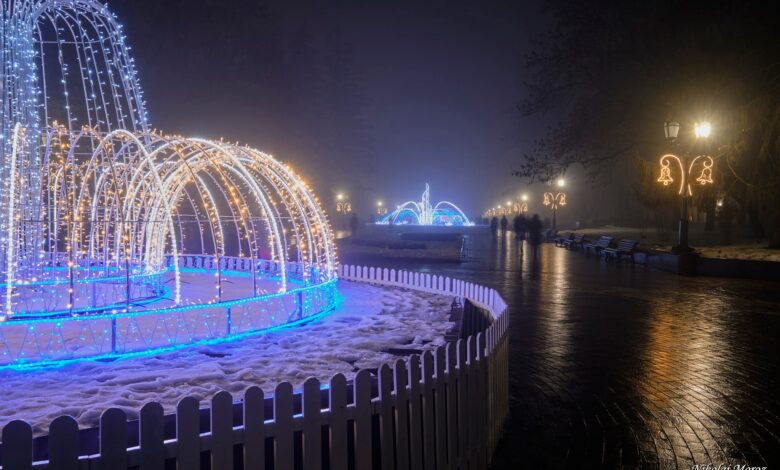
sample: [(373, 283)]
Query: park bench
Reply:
[(578, 240), (599, 245), (560, 240), (624, 248), (549, 234)]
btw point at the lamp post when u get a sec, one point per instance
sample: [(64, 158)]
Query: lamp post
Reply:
[(380, 208), (686, 163), (555, 200), (343, 207), (523, 204)]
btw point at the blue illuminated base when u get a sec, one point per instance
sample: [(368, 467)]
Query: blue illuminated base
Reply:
[(158, 325)]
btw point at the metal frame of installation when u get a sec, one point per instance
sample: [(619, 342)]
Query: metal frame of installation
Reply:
[(424, 213), (119, 240)]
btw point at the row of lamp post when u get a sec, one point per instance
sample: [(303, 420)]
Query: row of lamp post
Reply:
[(688, 161), (344, 205), (554, 199)]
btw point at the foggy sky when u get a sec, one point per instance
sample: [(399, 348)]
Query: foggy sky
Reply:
[(370, 98)]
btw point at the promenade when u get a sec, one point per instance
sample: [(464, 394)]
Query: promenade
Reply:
[(620, 366)]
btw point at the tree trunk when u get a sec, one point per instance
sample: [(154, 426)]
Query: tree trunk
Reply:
[(709, 225), (755, 224)]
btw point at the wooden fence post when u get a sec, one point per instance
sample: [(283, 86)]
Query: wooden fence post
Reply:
[(188, 434), (283, 434), (452, 406), (415, 412), (463, 409), (362, 400), (254, 429), (400, 377), (441, 408), (484, 393), (386, 417), (338, 421), (113, 439), (312, 429), (429, 423), (152, 436), (63, 444), (222, 430), (17, 446)]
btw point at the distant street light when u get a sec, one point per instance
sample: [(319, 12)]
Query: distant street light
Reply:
[(380, 208), (702, 129), (343, 207), (510, 207), (686, 165), (555, 200), (523, 203)]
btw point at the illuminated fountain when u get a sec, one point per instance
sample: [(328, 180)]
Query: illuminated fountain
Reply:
[(115, 239), (423, 213)]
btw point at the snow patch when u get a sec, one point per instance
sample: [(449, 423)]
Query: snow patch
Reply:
[(368, 321)]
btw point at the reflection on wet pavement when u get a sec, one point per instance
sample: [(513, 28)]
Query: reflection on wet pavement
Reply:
[(619, 366)]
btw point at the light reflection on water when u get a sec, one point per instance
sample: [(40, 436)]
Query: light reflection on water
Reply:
[(620, 365)]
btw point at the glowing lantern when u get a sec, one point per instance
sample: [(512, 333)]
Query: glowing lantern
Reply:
[(671, 129)]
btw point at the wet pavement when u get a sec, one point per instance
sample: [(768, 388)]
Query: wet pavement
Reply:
[(620, 366)]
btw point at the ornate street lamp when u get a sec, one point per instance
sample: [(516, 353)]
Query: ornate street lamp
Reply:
[(555, 200), (343, 208), (688, 165), (524, 204), (671, 129), (380, 208), (342, 204)]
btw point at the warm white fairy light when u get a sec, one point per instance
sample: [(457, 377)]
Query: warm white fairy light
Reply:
[(423, 213), (100, 202)]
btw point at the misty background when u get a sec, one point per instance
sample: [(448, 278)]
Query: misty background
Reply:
[(370, 98)]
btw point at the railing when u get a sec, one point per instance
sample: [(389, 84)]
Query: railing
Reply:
[(444, 409), (32, 341)]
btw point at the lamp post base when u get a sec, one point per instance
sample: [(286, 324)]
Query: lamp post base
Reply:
[(682, 246), (682, 249)]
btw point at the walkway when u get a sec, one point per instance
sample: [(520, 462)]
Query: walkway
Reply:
[(616, 366)]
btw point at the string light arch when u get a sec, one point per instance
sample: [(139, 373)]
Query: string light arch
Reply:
[(102, 215)]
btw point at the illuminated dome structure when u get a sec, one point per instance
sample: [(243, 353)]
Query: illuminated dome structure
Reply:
[(116, 239), (423, 213)]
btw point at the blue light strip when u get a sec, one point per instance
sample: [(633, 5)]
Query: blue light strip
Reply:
[(37, 365), (181, 308), (83, 280), (326, 301)]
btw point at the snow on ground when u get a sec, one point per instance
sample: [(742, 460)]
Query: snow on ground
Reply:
[(368, 322), (708, 244), (750, 252)]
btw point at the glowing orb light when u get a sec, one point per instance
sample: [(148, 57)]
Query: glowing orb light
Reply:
[(116, 239)]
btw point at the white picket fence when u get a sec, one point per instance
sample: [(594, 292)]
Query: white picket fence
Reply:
[(442, 410)]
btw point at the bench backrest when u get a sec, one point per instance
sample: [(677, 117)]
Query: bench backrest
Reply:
[(627, 245), (604, 241), (579, 237)]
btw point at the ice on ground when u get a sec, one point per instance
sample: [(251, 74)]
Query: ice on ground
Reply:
[(369, 321)]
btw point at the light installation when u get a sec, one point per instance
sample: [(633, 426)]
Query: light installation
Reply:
[(423, 213), (705, 177), (116, 239), (555, 200), (687, 165)]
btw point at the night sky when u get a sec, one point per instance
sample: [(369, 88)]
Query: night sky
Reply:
[(370, 98)]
